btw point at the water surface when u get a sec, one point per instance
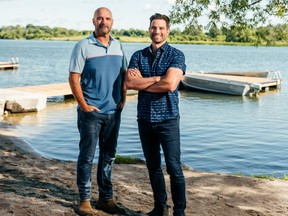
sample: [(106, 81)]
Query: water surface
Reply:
[(219, 133)]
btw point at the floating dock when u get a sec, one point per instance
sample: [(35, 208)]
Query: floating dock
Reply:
[(49, 90), (11, 65), (242, 84), (33, 98)]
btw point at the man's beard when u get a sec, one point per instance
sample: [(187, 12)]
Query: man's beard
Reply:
[(157, 41), (105, 30)]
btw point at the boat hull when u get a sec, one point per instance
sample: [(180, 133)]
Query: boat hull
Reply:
[(216, 85), (244, 83)]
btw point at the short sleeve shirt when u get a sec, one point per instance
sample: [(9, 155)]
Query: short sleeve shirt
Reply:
[(100, 68), (157, 107)]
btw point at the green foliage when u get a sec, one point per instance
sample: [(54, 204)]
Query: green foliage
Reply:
[(130, 33), (127, 160), (271, 177), (229, 14), (31, 32), (269, 35), (214, 32)]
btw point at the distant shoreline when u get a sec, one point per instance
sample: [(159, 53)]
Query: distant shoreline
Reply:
[(147, 40), (124, 39)]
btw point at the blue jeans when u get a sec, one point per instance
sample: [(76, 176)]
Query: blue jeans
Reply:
[(94, 127), (166, 134)]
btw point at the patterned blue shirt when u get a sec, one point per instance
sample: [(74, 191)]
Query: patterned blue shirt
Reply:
[(157, 107)]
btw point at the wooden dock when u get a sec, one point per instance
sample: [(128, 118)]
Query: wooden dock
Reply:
[(239, 84), (34, 98), (50, 90), (53, 90), (63, 89), (265, 82), (8, 66)]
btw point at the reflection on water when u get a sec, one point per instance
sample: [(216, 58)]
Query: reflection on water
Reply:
[(214, 138), (40, 117)]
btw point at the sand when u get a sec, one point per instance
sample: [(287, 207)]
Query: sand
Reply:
[(34, 185)]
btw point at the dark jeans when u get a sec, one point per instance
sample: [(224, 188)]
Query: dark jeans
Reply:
[(94, 127), (167, 135)]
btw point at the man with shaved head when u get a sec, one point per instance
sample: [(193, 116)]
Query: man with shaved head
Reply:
[(97, 70)]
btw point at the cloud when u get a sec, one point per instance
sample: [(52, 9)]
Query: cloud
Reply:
[(148, 6), (171, 2), (54, 13)]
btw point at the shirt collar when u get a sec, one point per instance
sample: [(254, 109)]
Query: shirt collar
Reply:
[(93, 40), (162, 48)]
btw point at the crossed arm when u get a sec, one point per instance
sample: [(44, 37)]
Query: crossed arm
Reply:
[(155, 84)]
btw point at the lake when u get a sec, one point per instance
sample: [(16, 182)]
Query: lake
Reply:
[(219, 133)]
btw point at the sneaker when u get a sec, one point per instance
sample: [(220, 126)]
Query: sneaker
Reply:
[(159, 212), (85, 209), (110, 207)]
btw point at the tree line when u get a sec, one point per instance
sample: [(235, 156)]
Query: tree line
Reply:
[(268, 35)]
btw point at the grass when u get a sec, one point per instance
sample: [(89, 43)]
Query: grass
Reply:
[(128, 160), (270, 177), (285, 177), (127, 39)]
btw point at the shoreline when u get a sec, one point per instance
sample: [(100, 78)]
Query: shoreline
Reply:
[(33, 185)]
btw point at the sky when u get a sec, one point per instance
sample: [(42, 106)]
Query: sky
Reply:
[(77, 14)]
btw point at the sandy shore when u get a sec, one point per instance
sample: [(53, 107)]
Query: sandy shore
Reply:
[(33, 185)]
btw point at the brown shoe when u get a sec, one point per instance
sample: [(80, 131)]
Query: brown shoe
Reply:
[(86, 209), (110, 207)]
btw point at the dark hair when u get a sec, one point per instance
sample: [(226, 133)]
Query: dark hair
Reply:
[(160, 16)]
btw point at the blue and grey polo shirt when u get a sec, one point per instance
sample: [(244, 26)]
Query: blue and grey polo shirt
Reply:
[(157, 107), (100, 68)]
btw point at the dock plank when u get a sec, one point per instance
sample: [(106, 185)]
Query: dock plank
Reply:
[(63, 89), (34, 98), (8, 65), (53, 90), (50, 90), (265, 82), (238, 78)]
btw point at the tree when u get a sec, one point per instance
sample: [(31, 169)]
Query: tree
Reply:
[(214, 32), (242, 13), (234, 34), (272, 34)]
